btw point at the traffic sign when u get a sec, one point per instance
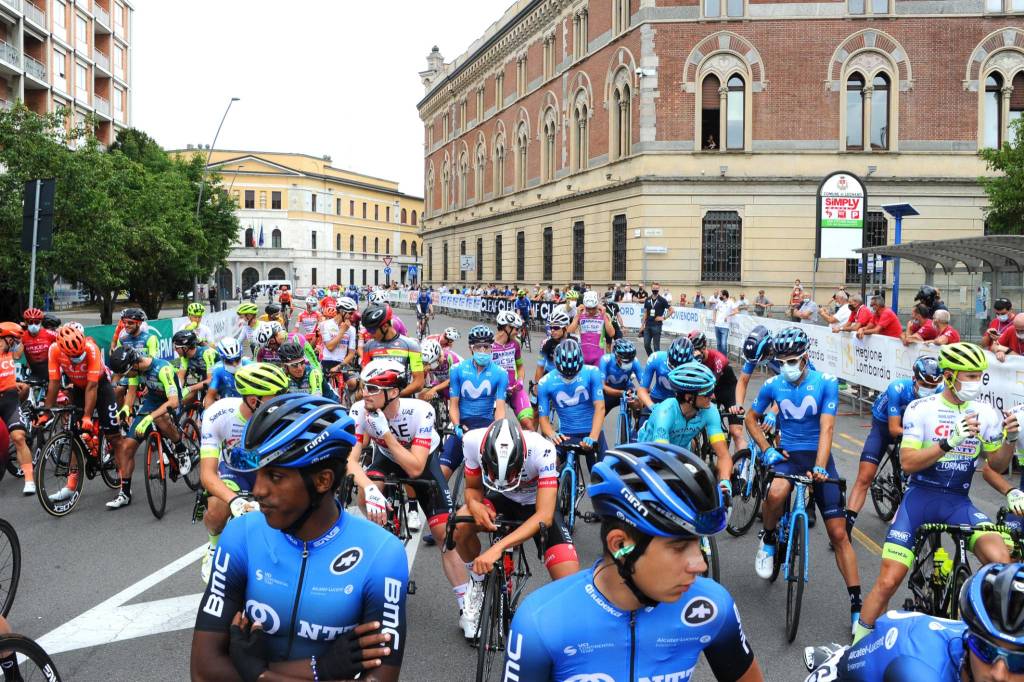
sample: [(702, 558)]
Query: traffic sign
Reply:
[(387, 261), (387, 271)]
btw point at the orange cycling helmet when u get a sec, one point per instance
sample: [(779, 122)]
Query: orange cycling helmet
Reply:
[(33, 315), (10, 329), (71, 341)]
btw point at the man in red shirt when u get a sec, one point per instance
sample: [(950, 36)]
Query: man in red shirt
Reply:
[(1003, 319), (944, 330), (920, 328), (35, 343), (883, 321), (1011, 341), (859, 318)]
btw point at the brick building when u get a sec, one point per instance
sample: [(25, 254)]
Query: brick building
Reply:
[(683, 140)]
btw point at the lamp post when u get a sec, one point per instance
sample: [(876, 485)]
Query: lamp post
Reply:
[(898, 211), (199, 202)]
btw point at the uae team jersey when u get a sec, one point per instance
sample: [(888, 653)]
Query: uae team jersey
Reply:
[(540, 470), (413, 425)]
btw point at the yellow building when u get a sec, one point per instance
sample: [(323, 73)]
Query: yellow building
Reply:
[(305, 220)]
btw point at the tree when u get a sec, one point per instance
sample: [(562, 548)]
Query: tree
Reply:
[(1005, 214)]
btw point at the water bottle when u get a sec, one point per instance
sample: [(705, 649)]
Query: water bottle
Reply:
[(943, 565)]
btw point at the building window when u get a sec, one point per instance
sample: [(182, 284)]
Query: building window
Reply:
[(479, 259), (430, 136), (446, 185), (880, 113), (337, 276), (250, 241), (462, 252), (549, 56), (522, 141), (263, 199), (313, 203), (404, 247), (337, 242), (621, 116), (855, 112), (387, 247), (387, 214), (352, 276), (404, 216), (275, 201), (414, 249), (364, 210), (337, 206), (351, 207), (548, 247), (522, 76), (414, 217), (578, 247), (478, 177), (430, 263), (993, 110), (497, 257), (710, 113), (352, 243), (444, 127), (499, 91), (720, 260), (60, 69), (376, 211), (463, 106), (275, 239), (876, 233), (520, 255), (364, 247), (480, 104), (376, 245), (81, 82), (579, 143), (376, 277), (444, 262), (364, 277), (579, 34), (734, 113), (312, 276), (1017, 97), (861, 7), (548, 151), (235, 197), (312, 240), (619, 247), (620, 16), (463, 180), (499, 167), (250, 198)]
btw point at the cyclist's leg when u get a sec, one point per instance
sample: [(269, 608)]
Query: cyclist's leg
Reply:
[(519, 403), (10, 413), (725, 396), (436, 500), (560, 556), (988, 546), (874, 447), (829, 499)]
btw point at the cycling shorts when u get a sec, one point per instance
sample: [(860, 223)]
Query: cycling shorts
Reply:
[(245, 481), (877, 443), (921, 505), (557, 544), (725, 397), (10, 410), (827, 496), (610, 403), (435, 501), (451, 453), (106, 405), (519, 401), (38, 371), (149, 404)]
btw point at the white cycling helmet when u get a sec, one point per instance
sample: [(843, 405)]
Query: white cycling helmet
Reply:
[(378, 296), (559, 319), (507, 317), (75, 325), (452, 334), (311, 301), (590, 299), (229, 349), (346, 304), (264, 333), (431, 352)]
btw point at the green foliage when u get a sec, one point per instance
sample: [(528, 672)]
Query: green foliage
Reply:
[(1005, 214)]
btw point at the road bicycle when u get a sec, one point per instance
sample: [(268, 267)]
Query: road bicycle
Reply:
[(423, 326), (69, 453), (503, 588), (572, 487), (749, 483), (10, 566), (1014, 538), (889, 484), (791, 552), (524, 337), (162, 463), (625, 430), (33, 663)]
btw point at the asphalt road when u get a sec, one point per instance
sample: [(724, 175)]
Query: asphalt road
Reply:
[(113, 595)]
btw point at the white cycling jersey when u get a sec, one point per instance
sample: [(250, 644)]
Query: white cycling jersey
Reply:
[(540, 470), (223, 426), (329, 330), (413, 425)]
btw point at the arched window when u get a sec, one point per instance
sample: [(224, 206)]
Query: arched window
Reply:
[(414, 249), (446, 185), (275, 239), (462, 252), (734, 113), (620, 115), (337, 242), (376, 244), (548, 159), (1017, 98), (710, 113), (414, 217), (478, 177), (499, 167), (404, 247), (522, 142), (387, 247), (352, 243), (463, 172), (403, 216), (855, 111), (249, 241), (428, 203), (579, 144), (993, 110), (364, 245), (880, 112)]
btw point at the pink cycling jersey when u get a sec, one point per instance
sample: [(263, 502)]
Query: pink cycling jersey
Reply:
[(590, 330), (398, 325), (509, 356)]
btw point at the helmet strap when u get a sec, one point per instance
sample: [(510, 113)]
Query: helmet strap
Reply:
[(625, 564)]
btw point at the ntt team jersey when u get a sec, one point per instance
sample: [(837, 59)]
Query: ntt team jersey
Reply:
[(573, 399), (931, 419), (476, 389), (903, 646), (306, 594), (567, 630), (223, 381), (655, 377), (894, 400), (668, 425), (800, 407), (618, 377)]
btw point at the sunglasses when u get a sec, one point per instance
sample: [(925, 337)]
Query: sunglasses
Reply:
[(989, 653), (481, 347), (294, 363), (373, 389)]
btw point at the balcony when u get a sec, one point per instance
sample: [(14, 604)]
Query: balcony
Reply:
[(36, 69), (102, 19), (102, 105), (13, 4), (102, 61), (11, 56), (35, 15)]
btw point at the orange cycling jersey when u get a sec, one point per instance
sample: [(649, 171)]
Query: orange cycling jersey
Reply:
[(88, 370), (7, 375)]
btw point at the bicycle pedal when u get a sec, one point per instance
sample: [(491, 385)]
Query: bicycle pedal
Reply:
[(590, 517), (411, 587)]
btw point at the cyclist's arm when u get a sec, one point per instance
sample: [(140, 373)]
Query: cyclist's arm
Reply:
[(741, 388), (332, 343), (501, 392), (413, 460), (353, 466), (597, 421), (499, 409), (643, 391), (729, 653), (827, 423), (316, 382), (209, 477), (575, 324), (917, 451), (153, 346), (753, 418), (224, 597), (996, 480), (611, 391), (895, 426), (609, 328), (453, 407), (92, 389), (131, 393), (544, 411), (544, 512), (182, 369), (170, 386)]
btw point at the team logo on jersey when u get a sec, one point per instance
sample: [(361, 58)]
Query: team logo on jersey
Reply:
[(807, 407), (475, 392), (590, 677), (890, 637), (346, 561), (699, 611), (579, 394), (263, 615)]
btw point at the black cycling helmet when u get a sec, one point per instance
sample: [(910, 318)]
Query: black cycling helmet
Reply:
[(134, 314), (790, 342), (680, 352), (503, 454), (926, 370), (926, 294), (1002, 304), (272, 309), (186, 338), (122, 359), (569, 358), (992, 604), (698, 339), (758, 345), (480, 334), (375, 315), (51, 321), (624, 349), (290, 352)]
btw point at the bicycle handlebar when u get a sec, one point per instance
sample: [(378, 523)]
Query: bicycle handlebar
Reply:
[(961, 529), (503, 524), (806, 480)]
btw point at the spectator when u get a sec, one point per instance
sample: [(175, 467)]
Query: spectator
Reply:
[(725, 308), (795, 299), (619, 294), (860, 315), (656, 309), (743, 305), (1003, 319), (883, 321), (640, 294), (683, 303), (1011, 341), (920, 327), (699, 302), (761, 304), (807, 311), (238, 293), (842, 313), (944, 332)]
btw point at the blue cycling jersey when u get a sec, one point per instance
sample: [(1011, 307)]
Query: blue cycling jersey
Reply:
[(476, 389), (306, 594), (904, 647), (567, 630), (573, 399), (523, 306), (223, 382), (655, 377), (894, 400), (668, 425), (616, 376), (800, 407), (423, 302)]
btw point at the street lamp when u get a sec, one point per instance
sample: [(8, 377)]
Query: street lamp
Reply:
[(199, 203), (898, 211)]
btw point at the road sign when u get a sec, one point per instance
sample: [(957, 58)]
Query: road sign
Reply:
[(387, 271), (411, 272), (467, 263), (656, 249), (387, 261)]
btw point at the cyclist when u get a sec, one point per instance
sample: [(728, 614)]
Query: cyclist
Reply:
[(447, 338), (986, 645), (576, 391), (680, 419), (135, 334), (424, 308), (195, 366), (569, 309), (303, 377), (619, 368), (558, 328), (654, 384), (593, 324), (725, 388), (757, 349), (285, 299), (438, 363), (379, 297), (523, 307), (508, 355), (247, 324), (642, 608), (163, 395), (514, 474), (944, 436), (308, 321), (386, 341), (296, 446), (223, 426), (195, 312), (807, 401), (222, 382), (10, 403), (270, 337), (272, 313), (51, 322), (887, 426), (615, 316), (340, 340), (35, 343)]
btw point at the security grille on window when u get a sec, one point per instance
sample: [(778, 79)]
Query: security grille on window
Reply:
[(430, 263), (520, 255), (444, 261), (619, 247), (480, 259), (462, 252), (497, 257), (721, 256), (548, 244), (876, 233), (578, 246)]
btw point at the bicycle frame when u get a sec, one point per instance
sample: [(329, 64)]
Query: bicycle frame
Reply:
[(796, 514), (571, 474)]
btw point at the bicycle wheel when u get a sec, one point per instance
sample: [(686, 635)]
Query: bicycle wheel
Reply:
[(564, 500), (156, 476), (490, 653), (59, 475), (886, 491), (709, 548), (10, 566), (190, 435), (795, 581), (458, 487), (622, 436), (108, 464), (33, 661), (746, 498), (956, 581)]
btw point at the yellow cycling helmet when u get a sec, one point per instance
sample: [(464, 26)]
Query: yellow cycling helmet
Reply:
[(196, 310), (962, 357), (261, 379), (572, 295), (248, 309)]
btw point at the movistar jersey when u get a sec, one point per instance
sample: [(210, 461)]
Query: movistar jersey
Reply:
[(423, 302), (893, 401), (223, 381), (476, 389), (800, 407), (929, 420), (567, 630), (668, 425), (616, 376), (904, 647), (573, 399), (159, 378), (655, 377), (306, 594)]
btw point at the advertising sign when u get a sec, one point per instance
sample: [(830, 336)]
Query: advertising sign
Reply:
[(842, 206)]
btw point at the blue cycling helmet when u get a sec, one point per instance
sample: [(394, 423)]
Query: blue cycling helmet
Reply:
[(659, 489), (480, 334), (692, 377), (569, 358), (926, 370), (680, 352), (624, 349), (758, 345), (992, 604), (790, 342)]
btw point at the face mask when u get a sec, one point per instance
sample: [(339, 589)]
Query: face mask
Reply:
[(78, 359), (231, 368), (923, 391), (625, 366), (655, 291), (482, 359), (792, 373), (969, 390), (1001, 318), (33, 329), (572, 305)]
